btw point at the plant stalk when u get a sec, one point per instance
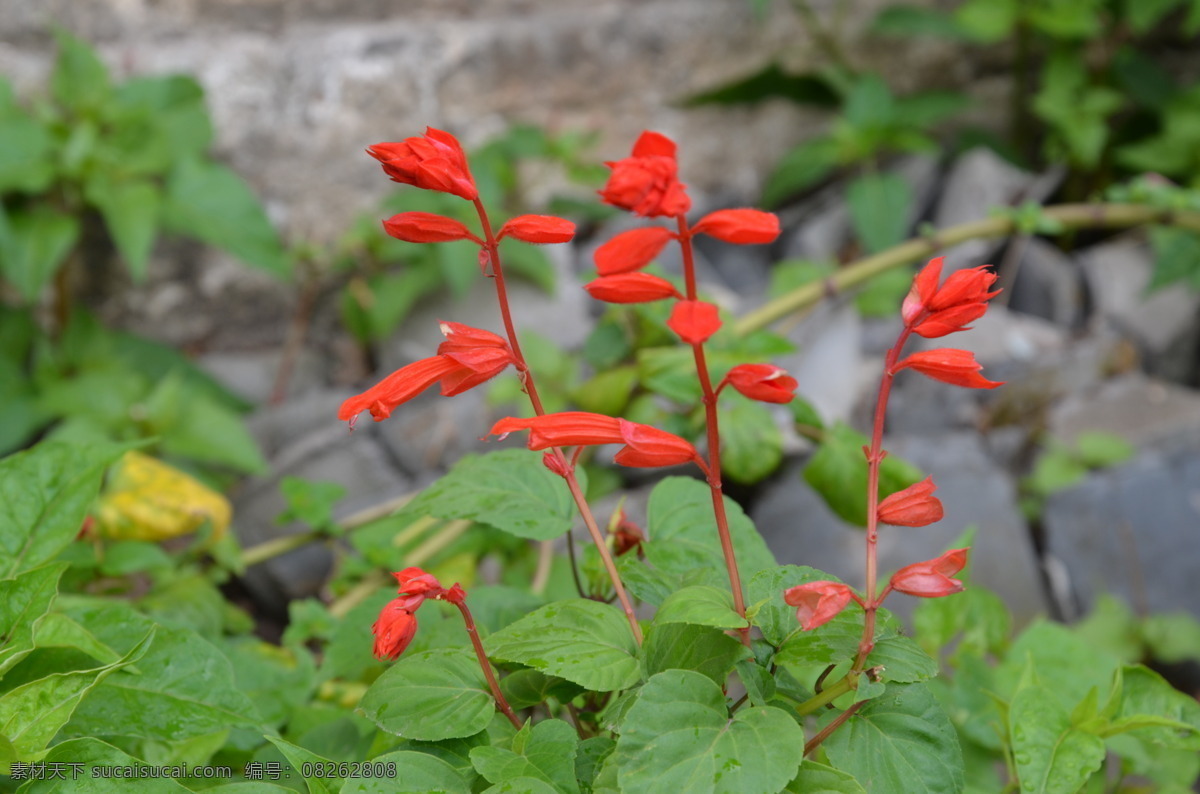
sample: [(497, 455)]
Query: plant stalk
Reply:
[(486, 666)]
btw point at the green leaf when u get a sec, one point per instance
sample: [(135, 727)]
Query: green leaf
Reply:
[(508, 489), (1066, 665), (838, 472), (79, 81), (770, 82), (1157, 712), (309, 502), (682, 646), (430, 696), (978, 615), (45, 493), (184, 687), (301, 758), (987, 20), (25, 147), (1172, 637), (529, 262), (31, 714), (879, 206), (24, 600), (678, 736), (591, 755), (904, 21), (580, 640), (802, 167), (1098, 449), (175, 105), (751, 443), (130, 210), (197, 426), (416, 773), (902, 660), (683, 532), (607, 392), (1051, 756), (37, 243), (521, 785), (1176, 258), (901, 742), (525, 687), (544, 752), (92, 753), (883, 294), (701, 605), (211, 203), (817, 778)]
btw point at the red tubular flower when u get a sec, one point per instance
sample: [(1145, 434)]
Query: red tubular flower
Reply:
[(631, 250), (931, 579), (481, 354), (435, 161), (915, 506), (416, 582), (648, 447), (425, 227), (393, 631), (631, 288), (694, 321), (645, 446), (763, 382), (397, 388), (932, 311), (740, 227), (956, 367), (538, 229), (817, 603), (646, 183)]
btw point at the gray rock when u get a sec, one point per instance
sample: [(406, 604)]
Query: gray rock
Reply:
[(1132, 531), (1143, 411), (826, 362), (1048, 284), (251, 375), (978, 181), (800, 529)]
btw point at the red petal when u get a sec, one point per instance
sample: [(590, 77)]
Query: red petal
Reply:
[(817, 603), (741, 227), (425, 227), (631, 250), (648, 447), (399, 387), (915, 506), (653, 144), (631, 288), (932, 578), (956, 367), (694, 321), (538, 229), (763, 382)]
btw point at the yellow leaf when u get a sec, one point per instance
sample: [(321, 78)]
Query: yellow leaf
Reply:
[(146, 499)]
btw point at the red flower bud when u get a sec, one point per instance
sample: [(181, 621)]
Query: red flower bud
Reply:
[(956, 367), (645, 446), (647, 183), (538, 229), (649, 447), (627, 536), (425, 227), (631, 288), (817, 603), (393, 631), (556, 464), (931, 579), (694, 321), (434, 161), (763, 382), (915, 506), (932, 311), (741, 227), (631, 250), (415, 581)]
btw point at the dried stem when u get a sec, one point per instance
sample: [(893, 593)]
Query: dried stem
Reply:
[(714, 437), (492, 247)]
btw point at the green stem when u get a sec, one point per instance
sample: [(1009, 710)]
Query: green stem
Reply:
[(1070, 216), (847, 683)]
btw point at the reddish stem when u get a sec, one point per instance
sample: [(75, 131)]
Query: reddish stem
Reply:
[(492, 246), (875, 456), (713, 432), (486, 666)]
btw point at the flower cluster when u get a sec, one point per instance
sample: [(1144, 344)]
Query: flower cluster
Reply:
[(397, 623), (644, 446)]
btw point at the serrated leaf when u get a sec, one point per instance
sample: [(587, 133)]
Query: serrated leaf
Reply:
[(1156, 711), (44, 495), (209, 202), (901, 742), (301, 758), (701, 605), (682, 646), (416, 773), (678, 736), (817, 778), (545, 752), (509, 489), (432, 695), (31, 714), (580, 640), (1051, 757), (91, 753), (838, 473), (766, 608), (526, 687), (35, 246), (24, 601)]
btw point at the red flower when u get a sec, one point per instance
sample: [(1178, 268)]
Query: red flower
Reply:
[(538, 229), (631, 250), (817, 603), (741, 227), (645, 446), (416, 582), (397, 388), (694, 321), (646, 183), (956, 367), (932, 311), (434, 161), (915, 506), (763, 382), (931, 579), (631, 288), (393, 631), (627, 536), (425, 227)]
